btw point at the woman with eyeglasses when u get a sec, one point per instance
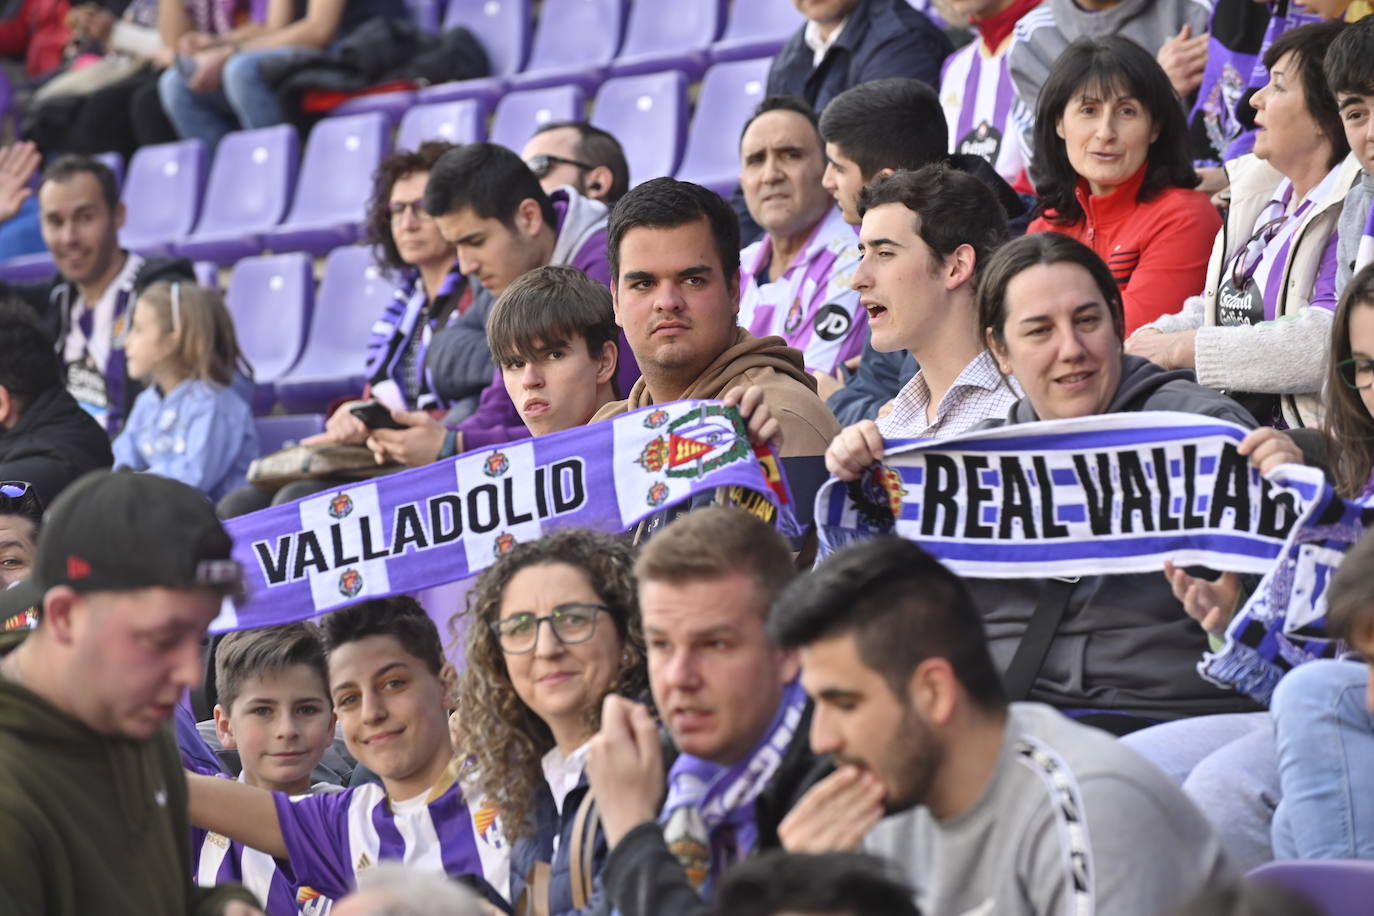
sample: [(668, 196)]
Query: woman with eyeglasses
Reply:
[(551, 629), (1262, 324)]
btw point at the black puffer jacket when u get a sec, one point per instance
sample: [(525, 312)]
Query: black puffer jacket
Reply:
[(54, 442)]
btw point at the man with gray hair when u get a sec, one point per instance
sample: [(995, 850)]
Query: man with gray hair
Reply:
[(392, 889)]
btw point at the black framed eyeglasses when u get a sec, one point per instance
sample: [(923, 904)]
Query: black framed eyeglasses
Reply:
[(1357, 372), (571, 623), (398, 208), (542, 164)]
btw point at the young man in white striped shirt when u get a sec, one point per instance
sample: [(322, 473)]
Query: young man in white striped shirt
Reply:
[(389, 686), (925, 236)]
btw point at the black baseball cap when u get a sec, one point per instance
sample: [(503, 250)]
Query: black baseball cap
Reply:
[(118, 531)]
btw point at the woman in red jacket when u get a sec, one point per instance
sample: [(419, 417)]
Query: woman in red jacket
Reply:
[(1111, 156)]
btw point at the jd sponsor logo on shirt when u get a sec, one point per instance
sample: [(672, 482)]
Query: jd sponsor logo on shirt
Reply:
[(832, 322)]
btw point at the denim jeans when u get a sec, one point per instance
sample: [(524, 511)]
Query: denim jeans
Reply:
[(244, 101), (1325, 741)]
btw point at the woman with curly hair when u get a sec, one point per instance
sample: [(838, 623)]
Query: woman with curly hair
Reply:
[(530, 698)]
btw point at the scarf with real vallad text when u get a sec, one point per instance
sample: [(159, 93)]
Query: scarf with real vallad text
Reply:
[(708, 817)]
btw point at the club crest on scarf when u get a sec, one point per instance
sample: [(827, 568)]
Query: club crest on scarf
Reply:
[(350, 582), (658, 494), (697, 443), (878, 496), (655, 419), (505, 543), (340, 506), (689, 844), (496, 465)]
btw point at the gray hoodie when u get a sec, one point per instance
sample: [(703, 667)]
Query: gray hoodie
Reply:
[(1354, 213), (1125, 643)]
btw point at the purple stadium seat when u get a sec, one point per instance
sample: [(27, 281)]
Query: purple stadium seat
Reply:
[(462, 121), (670, 36), (520, 114), (352, 294), (729, 94), (8, 111), (335, 181), (757, 28), (275, 433), (116, 163), (1336, 887), (271, 297), (207, 274), (393, 105), (425, 13), (575, 42), (162, 195), (503, 27), (250, 185), (27, 268), (648, 115)]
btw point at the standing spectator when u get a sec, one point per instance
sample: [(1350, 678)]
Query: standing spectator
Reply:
[(585, 158), (848, 42), (220, 87), (188, 424), (86, 304), (976, 90), (795, 281), (46, 439), (130, 571), (1262, 322), (1111, 153)]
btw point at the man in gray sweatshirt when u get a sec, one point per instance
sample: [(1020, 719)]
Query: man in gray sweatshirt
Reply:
[(1011, 809)]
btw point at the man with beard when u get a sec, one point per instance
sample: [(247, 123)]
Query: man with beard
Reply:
[(997, 808)]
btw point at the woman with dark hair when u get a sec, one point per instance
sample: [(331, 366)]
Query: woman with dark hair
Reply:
[(1111, 146), (1259, 330), (1050, 311), (530, 698)]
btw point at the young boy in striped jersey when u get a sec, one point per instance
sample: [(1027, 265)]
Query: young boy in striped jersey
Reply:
[(388, 684), (274, 710)]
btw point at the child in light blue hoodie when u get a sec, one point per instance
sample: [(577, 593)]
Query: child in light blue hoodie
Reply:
[(188, 424)]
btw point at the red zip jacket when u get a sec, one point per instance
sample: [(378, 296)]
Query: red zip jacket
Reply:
[(1157, 249)]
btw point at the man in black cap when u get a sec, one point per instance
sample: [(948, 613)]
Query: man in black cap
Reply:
[(130, 571)]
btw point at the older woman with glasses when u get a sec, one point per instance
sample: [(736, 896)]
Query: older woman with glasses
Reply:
[(551, 629), (1259, 330)]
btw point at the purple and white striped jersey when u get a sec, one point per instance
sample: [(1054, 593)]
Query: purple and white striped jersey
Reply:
[(810, 306), (330, 838), (216, 859), (978, 95)]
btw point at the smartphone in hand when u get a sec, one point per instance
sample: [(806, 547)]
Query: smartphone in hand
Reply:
[(375, 415)]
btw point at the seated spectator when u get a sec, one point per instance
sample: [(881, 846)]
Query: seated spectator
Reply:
[(585, 158), (131, 569), (729, 701), (487, 203), (674, 253), (1259, 327), (1042, 35), (221, 86), (187, 424), (528, 704), (1111, 155), (793, 282), (553, 337), (926, 236), (21, 518), (836, 884), (1349, 69), (848, 42), (1051, 314), (976, 91), (46, 439), (1325, 705), (388, 682), (391, 889), (998, 807), (274, 709), (869, 132), (86, 304)]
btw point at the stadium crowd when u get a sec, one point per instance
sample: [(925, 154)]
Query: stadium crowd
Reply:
[(944, 218)]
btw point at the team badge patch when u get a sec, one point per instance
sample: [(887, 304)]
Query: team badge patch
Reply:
[(496, 464), (340, 506), (505, 543), (697, 442), (878, 497), (794, 317), (658, 494), (484, 819), (350, 582)]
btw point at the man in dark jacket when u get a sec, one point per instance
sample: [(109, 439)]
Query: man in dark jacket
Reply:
[(848, 42), (729, 698), (46, 440), (88, 304)]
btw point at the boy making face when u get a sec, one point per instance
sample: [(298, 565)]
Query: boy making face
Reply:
[(1349, 69), (553, 334), (386, 682)]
